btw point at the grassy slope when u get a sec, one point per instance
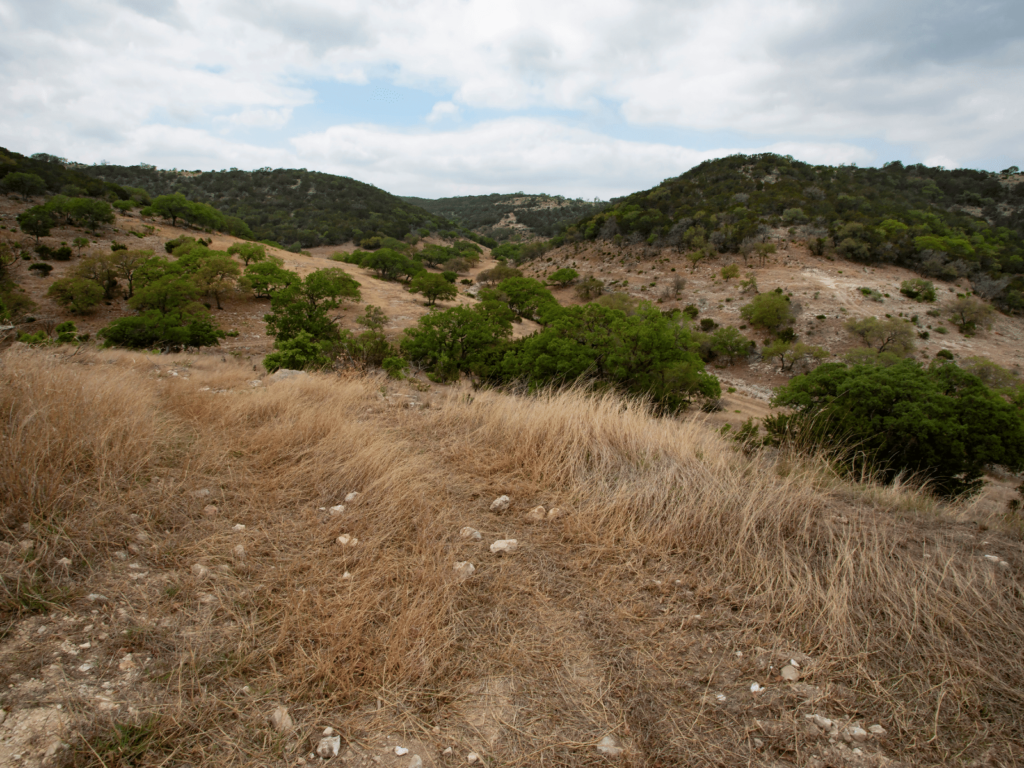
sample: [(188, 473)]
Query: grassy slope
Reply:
[(625, 616)]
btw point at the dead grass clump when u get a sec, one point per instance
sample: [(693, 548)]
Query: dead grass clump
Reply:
[(621, 617)]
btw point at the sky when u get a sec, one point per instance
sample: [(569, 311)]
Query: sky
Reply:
[(459, 97)]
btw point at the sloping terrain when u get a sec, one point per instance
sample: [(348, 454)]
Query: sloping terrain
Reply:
[(293, 207), (183, 557)]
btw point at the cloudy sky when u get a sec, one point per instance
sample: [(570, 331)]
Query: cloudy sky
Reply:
[(444, 97)]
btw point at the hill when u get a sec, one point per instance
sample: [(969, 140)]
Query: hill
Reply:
[(512, 216), (940, 223), (293, 207)]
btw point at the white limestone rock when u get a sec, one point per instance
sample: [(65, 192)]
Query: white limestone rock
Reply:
[(504, 546), (500, 504)]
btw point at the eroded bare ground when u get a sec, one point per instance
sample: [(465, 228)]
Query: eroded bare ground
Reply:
[(172, 577)]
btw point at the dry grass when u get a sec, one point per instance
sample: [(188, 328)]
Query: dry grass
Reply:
[(589, 629)]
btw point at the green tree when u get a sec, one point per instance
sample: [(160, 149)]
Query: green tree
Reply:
[(126, 263), (459, 339), (36, 221), (80, 243), (218, 275), (729, 343), (434, 255), (90, 213), (770, 311), (249, 253), (525, 296), (299, 353), (371, 346), (940, 423), (25, 184), (171, 207), (102, 271), (267, 277), (589, 288), (391, 265), (76, 294), (563, 276), (969, 313), (730, 271), (186, 327), (303, 306), (789, 353), (497, 274), (889, 335), (433, 287)]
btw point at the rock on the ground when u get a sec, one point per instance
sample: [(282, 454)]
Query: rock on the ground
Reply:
[(537, 514), (822, 722), (210, 509), (239, 552), (347, 540), (609, 746), (877, 730), (791, 673), (200, 571), (464, 570), (328, 747), (337, 509), (351, 497), (202, 493), (554, 513), (853, 733), (416, 762), (238, 527), (500, 504), (504, 546), (281, 720), (447, 750), (401, 751), (472, 757), (286, 373), (470, 533)]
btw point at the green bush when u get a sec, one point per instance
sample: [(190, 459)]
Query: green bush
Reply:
[(396, 367), (770, 311), (918, 289), (299, 353), (938, 423), (39, 267), (76, 294)]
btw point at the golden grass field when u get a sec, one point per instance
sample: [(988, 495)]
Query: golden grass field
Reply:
[(682, 572)]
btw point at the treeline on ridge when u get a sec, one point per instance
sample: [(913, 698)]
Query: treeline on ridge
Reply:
[(293, 208), (941, 223)]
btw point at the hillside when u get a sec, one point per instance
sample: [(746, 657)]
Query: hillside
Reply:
[(293, 207), (939, 223), (510, 217)]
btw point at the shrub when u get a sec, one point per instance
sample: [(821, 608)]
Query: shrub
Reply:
[(770, 311), (918, 289), (691, 311), (42, 269), (396, 367), (563, 276), (730, 271), (116, 246), (707, 324), (872, 294), (589, 288), (63, 253), (76, 294), (299, 353)]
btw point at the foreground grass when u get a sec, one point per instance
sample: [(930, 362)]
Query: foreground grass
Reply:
[(624, 616)]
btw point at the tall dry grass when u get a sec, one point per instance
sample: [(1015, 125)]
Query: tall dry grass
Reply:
[(585, 630)]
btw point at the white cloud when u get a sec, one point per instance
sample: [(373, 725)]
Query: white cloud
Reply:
[(826, 78), (442, 110), (518, 153)]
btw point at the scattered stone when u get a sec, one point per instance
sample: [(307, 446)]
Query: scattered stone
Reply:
[(472, 757), (794, 663), (416, 762), (281, 720), (993, 558), (96, 598), (720, 696), (255, 383), (500, 504), (504, 546), (85, 667), (537, 514), (346, 576), (351, 497), (758, 744), (121, 554), (401, 751), (739, 654), (447, 751), (286, 373), (853, 733), (1003, 564), (471, 533), (27, 544), (790, 673), (238, 527), (65, 561), (877, 730), (200, 571), (554, 513), (202, 493), (210, 509), (464, 570), (239, 552), (609, 746), (337, 509), (329, 747), (436, 730), (822, 722), (3, 716), (755, 688), (347, 540)]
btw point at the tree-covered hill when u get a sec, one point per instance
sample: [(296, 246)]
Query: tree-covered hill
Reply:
[(57, 177), (293, 207), (512, 216), (941, 223)]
